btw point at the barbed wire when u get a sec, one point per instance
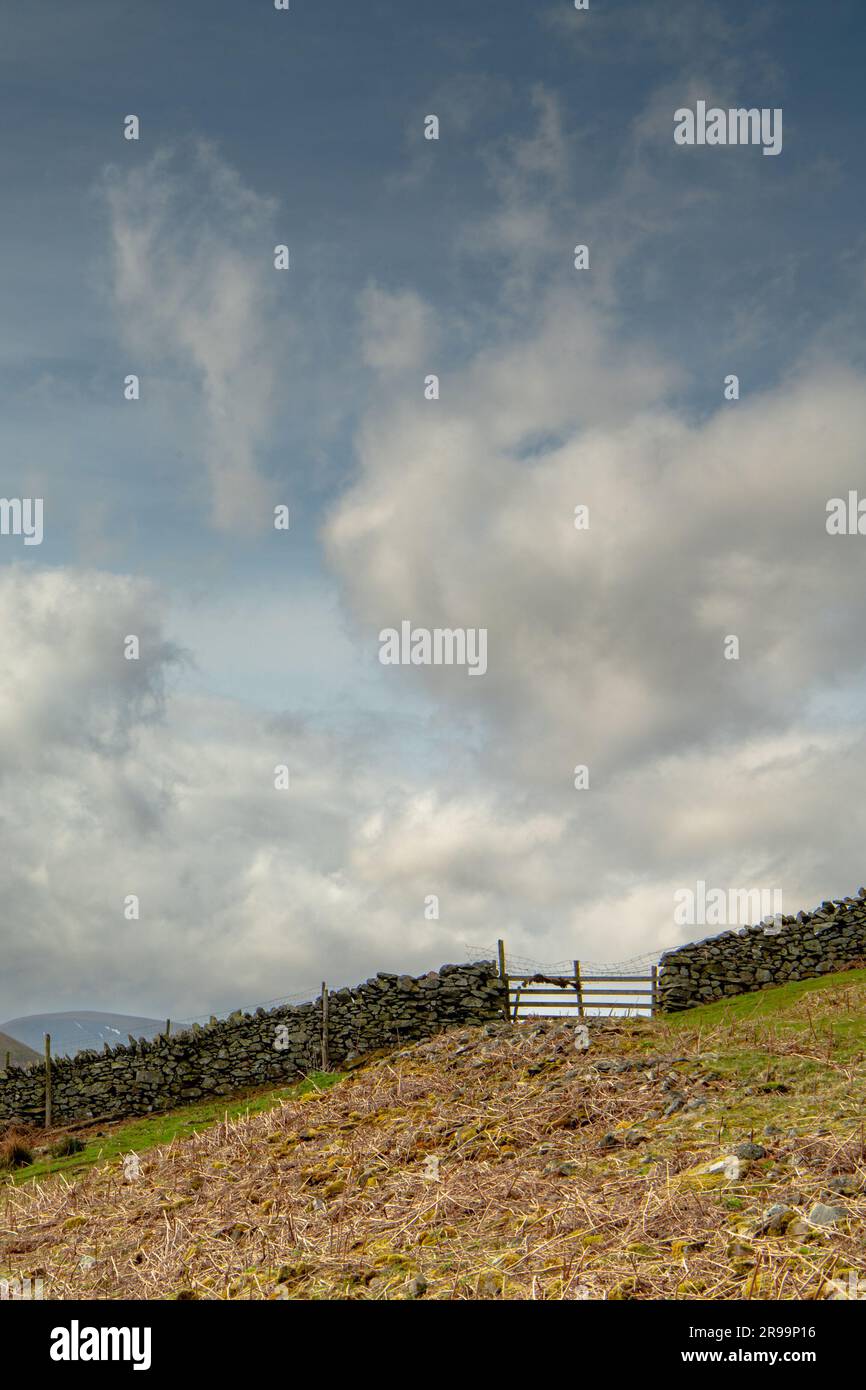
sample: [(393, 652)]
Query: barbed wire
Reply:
[(304, 996), (522, 965)]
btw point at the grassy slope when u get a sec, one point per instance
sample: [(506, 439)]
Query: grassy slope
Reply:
[(559, 1174), (780, 1003), (137, 1136)]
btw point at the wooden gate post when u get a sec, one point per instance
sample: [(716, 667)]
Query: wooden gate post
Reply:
[(47, 1080), (503, 975), (654, 999), (325, 1058), (578, 988)]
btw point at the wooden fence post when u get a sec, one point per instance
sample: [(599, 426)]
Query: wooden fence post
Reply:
[(325, 1058), (654, 1004), (516, 1013), (578, 988), (503, 975), (47, 1080), (168, 1027)]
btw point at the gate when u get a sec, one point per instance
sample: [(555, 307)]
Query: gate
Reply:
[(538, 995)]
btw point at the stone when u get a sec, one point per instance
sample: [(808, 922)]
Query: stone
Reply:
[(844, 1185), (823, 1215), (750, 1151), (776, 1220)]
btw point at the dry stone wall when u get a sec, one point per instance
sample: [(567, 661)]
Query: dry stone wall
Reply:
[(246, 1050), (751, 958)]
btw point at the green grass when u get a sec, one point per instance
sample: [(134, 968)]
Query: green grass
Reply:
[(147, 1132), (780, 1003), (804, 1037)]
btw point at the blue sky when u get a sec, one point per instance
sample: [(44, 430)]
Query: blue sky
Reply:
[(408, 257)]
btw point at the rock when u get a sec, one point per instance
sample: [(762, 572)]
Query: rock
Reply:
[(823, 1215), (844, 1185), (797, 1229), (749, 1151), (776, 1221)]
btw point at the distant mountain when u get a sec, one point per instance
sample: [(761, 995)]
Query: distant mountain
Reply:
[(75, 1031), (21, 1055)]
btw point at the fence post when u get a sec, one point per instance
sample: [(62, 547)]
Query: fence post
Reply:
[(8, 1061), (517, 993), (325, 1058), (503, 975), (47, 1080), (168, 1027), (578, 988), (654, 1004)]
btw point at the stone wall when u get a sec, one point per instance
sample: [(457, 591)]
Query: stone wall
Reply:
[(264, 1048), (750, 958)]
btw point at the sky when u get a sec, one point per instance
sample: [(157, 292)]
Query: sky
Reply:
[(148, 786)]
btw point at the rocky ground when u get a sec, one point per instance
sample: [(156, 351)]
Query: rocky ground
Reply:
[(697, 1159)]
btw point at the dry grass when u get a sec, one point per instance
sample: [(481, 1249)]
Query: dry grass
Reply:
[(15, 1151), (557, 1178)]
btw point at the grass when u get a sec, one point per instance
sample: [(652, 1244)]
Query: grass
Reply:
[(139, 1135), (787, 1004)]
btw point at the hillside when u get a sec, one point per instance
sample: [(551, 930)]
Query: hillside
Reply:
[(78, 1029), (717, 1155), (20, 1054)]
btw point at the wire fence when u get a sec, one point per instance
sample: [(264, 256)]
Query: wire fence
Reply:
[(522, 965), (304, 996)]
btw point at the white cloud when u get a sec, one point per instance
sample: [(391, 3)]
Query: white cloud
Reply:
[(194, 283)]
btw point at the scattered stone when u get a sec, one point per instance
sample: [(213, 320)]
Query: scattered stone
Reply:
[(823, 1215), (844, 1185), (776, 1220), (798, 1229), (749, 1151)]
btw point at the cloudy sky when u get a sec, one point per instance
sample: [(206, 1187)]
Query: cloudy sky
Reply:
[(601, 387)]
